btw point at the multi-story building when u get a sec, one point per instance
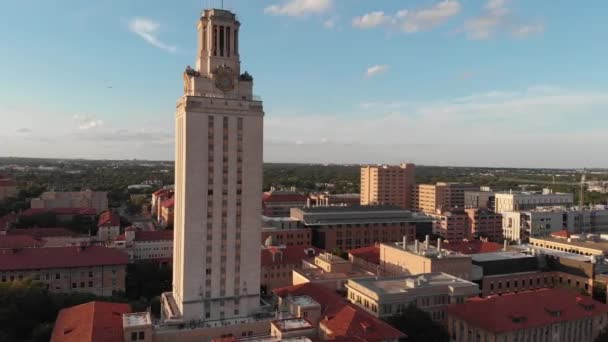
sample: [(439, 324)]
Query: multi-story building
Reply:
[(167, 212), (8, 187), (108, 226), (518, 201), (479, 199), (326, 199), (367, 258), (285, 231), (328, 270), (157, 197), (573, 244), (433, 198), (545, 315), (90, 269), (523, 225), (484, 223), (430, 292), (218, 184), (418, 258), (278, 203), (358, 226), (451, 225), (278, 262), (388, 185), (143, 245), (93, 321), (97, 200)]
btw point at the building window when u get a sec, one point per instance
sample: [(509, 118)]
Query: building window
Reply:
[(134, 336), (142, 335)]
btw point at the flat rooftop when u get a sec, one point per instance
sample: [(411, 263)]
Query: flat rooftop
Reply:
[(430, 252), (553, 252), (304, 301), (137, 319), (318, 274), (292, 324), (495, 256), (597, 244), (402, 284)]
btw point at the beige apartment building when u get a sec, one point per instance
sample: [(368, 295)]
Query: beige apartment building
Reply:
[(97, 200), (389, 296), (433, 198), (451, 225), (389, 185), (516, 201)]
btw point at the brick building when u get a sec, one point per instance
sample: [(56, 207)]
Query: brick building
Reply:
[(451, 225), (388, 185), (432, 198), (279, 261), (484, 223), (108, 226), (278, 203)]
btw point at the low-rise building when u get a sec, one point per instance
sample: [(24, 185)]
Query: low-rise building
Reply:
[(451, 225), (278, 262), (417, 258), (484, 223), (367, 258), (53, 237), (545, 315), (347, 228), (143, 245), (91, 269), (328, 270), (285, 231), (326, 199), (520, 201), (93, 321), (108, 226), (278, 203), (389, 296), (577, 244), (97, 200), (334, 318)]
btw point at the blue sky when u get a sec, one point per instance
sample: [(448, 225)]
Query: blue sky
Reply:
[(489, 83)]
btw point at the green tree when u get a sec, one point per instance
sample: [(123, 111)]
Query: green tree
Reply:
[(418, 326)]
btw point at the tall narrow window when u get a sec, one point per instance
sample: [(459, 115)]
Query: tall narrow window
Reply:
[(236, 42), (205, 38), (227, 41), (222, 41), (215, 40)]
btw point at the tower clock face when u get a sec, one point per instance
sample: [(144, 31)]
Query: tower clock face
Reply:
[(224, 79)]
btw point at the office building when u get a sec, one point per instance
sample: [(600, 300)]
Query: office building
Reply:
[(519, 201), (451, 225), (484, 223), (388, 185), (479, 199), (523, 225), (434, 198), (357, 226), (430, 292)]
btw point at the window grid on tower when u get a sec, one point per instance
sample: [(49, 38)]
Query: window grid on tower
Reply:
[(239, 191), (224, 227), (215, 40), (209, 241)]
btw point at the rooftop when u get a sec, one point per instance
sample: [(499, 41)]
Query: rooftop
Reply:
[(108, 218), (495, 256), (343, 320), (19, 241), (524, 310), (59, 211), (430, 252), (137, 319), (42, 232), (292, 324), (93, 321), (471, 246), (287, 254), (168, 203), (403, 284), (60, 257), (356, 215), (148, 235), (283, 196), (369, 253), (601, 245), (304, 301)]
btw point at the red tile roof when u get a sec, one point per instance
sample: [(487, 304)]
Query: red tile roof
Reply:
[(288, 254), (91, 322), (19, 241), (561, 234), (168, 203), (160, 192), (6, 220), (525, 310), (59, 211), (108, 219), (369, 253), (41, 232), (345, 321), (283, 197), (55, 257), (7, 182), (471, 247)]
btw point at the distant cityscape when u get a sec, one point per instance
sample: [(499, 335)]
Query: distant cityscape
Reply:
[(218, 246)]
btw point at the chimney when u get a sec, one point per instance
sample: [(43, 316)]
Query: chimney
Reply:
[(427, 240), (439, 245), (504, 248), (404, 242)]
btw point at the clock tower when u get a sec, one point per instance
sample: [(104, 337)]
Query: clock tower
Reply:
[(218, 183)]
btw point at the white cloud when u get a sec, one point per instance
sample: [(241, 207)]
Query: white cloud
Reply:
[(525, 31), (496, 16), (330, 23), (370, 20), (376, 70), (540, 126), (411, 21), (86, 123), (298, 8), (148, 30)]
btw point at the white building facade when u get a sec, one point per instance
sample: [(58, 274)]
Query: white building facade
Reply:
[(218, 182), (518, 201)]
